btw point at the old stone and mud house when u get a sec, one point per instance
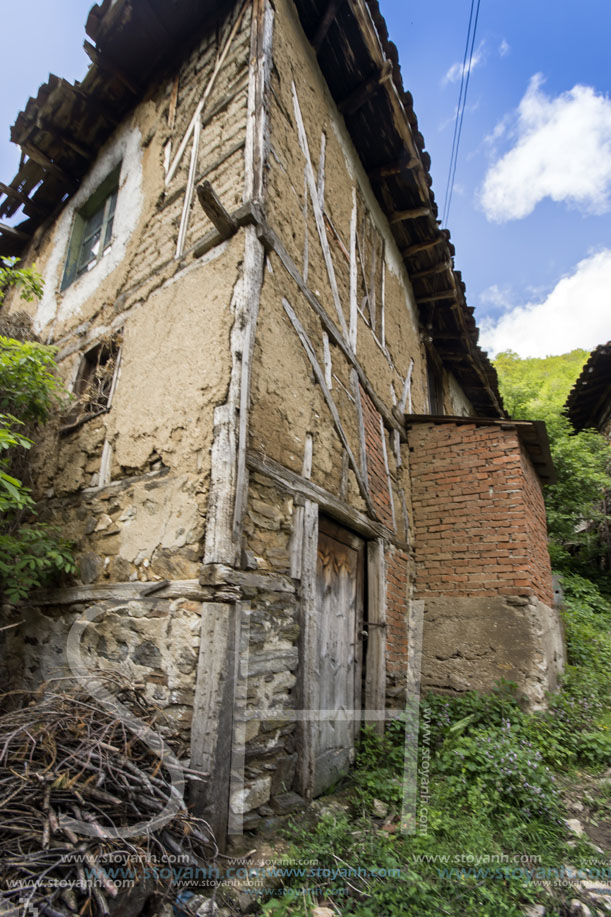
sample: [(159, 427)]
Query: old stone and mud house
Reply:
[(589, 401), (284, 442)]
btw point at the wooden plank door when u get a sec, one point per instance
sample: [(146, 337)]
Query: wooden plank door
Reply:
[(338, 646)]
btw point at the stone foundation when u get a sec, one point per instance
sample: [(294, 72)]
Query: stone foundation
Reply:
[(472, 643)]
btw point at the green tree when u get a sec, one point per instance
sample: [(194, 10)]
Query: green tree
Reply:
[(31, 552), (537, 389)]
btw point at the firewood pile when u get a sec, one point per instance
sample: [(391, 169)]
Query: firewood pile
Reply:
[(84, 799)]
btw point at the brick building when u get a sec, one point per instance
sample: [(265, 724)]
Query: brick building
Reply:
[(283, 429)]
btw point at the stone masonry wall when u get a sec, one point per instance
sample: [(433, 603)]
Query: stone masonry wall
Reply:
[(478, 507)]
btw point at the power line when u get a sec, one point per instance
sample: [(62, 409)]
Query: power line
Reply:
[(460, 108)]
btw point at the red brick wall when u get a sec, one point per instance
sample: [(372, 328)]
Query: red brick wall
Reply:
[(396, 612), (536, 523), (479, 516)]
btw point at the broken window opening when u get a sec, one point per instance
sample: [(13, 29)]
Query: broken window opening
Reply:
[(92, 230), (95, 383)]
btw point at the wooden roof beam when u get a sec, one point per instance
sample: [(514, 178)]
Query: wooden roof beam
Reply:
[(402, 164), (435, 297), (103, 62), (97, 107), (23, 199), (65, 139), (355, 101), (14, 233), (402, 216), (432, 271), (48, 165), (421, 247), (325, 23)]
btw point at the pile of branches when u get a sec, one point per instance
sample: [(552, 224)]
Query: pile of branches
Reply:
[(67, 761)]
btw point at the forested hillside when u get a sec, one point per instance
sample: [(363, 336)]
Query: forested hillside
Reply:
[(537, 389)]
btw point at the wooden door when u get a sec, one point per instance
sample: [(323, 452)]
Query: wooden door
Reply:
[(338, 646)]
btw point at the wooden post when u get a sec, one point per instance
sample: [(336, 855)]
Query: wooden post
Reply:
[(212, 729), (375, 671), (308, 646)]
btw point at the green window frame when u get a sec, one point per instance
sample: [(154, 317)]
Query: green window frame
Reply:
[(92, 230)]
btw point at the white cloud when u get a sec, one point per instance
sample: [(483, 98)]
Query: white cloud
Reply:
[(577, 313), (496, 298), (504, 48), (562, 150), (454, 74)]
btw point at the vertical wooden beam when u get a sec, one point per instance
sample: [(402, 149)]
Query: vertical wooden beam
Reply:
[(388, 478), (361, 425), (320, 184), (306, 236), (343, 487), (375, 669), (371, 287), (212, 727), (405, 515), (212, 730), (252, 284), (308, 670), (257, 126), (406, 395), (296, 548), (354, 315), (383, 303), (327, 360)]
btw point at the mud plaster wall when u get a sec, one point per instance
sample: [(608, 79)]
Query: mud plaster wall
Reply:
[(174, 320), (142, 516), (287, 403)]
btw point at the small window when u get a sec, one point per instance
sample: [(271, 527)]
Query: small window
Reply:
[(95, 383), (92, 235)]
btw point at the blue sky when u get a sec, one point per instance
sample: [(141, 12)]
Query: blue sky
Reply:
[(531, 211)]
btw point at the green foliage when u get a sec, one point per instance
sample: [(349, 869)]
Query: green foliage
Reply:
[(13, 495), (537, 389), (28, 385), (32, 556), (31, 552), (27, 278), (504, 768)]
